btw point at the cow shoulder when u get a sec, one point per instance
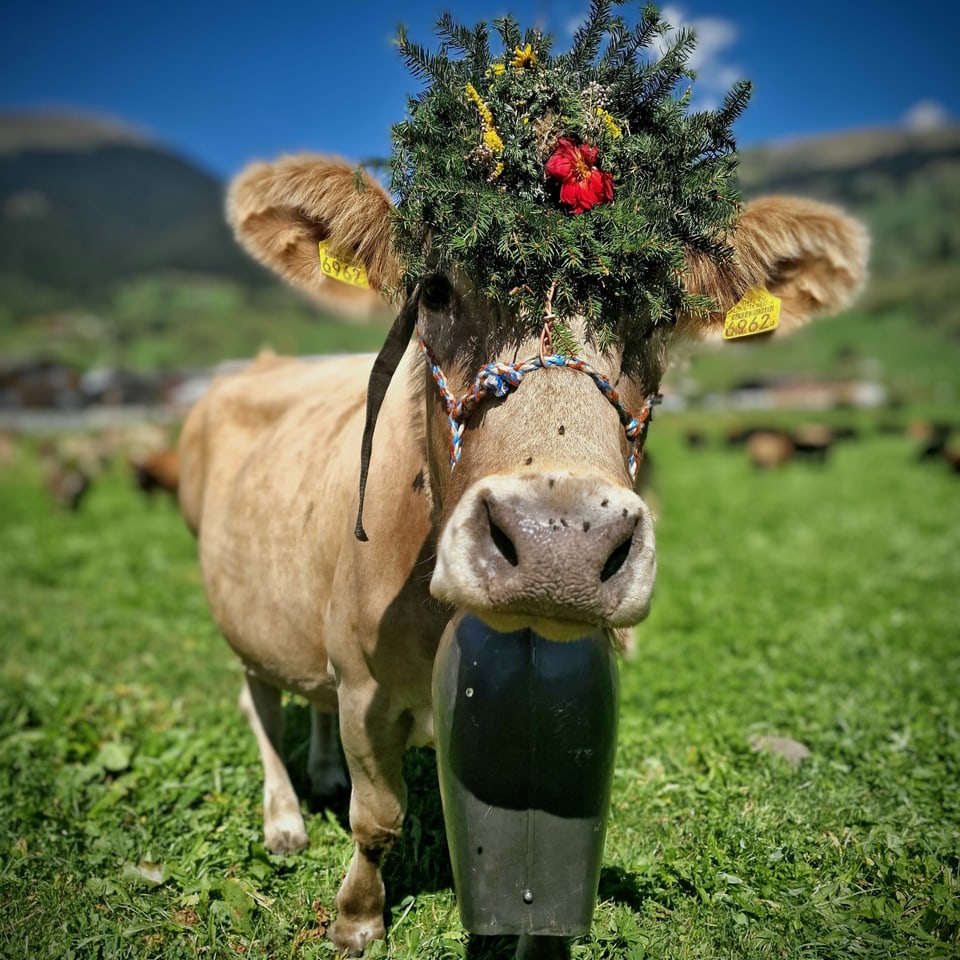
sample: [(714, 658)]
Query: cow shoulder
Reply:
[(242, 411)]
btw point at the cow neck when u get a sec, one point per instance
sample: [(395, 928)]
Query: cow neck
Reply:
[(384, 367)]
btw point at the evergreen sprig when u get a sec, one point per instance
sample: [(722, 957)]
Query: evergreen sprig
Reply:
[(469, 169)]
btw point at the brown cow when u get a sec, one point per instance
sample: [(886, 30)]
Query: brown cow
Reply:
[(769, 448), (538, 526), (156, 470), (67, 483), (813, 441), (952, 456)]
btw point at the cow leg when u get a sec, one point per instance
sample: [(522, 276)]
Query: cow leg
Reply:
[(328, 776), (373, 744), (283, 829)]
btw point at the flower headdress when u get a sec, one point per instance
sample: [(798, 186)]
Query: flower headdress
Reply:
[(580, 176)]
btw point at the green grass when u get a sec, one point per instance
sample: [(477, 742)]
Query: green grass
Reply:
[(816, 603)]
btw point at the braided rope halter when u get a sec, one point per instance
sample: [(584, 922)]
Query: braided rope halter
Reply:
[(497, 379), (494, 379)]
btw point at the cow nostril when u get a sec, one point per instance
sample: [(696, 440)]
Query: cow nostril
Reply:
[(616, 560), (502, 542)]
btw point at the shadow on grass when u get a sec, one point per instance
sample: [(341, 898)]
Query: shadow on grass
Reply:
[(621, 887), (420, 860)]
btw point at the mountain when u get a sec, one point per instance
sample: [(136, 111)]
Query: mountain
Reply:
[(904, 184), (114, 249), (85, 202)]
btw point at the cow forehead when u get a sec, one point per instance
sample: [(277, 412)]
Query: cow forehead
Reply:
[(469, 333), (465, 331)]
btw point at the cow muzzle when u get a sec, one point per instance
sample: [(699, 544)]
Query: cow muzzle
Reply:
[(555, 552)]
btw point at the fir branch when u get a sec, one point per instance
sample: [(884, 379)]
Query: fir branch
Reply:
[(509, 31), (650, 26), (589, 35), (423, 65), (564, 342), (472, 43), (734, 103), (666, 73), (618, 46), (473, 176)]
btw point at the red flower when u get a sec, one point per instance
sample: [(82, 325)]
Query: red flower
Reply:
[(582, 184)]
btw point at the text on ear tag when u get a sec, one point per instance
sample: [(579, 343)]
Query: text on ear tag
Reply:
[(339, 268), (757, 312)]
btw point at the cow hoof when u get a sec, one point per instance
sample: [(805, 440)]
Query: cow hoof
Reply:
[(352, 936), (285, 835)]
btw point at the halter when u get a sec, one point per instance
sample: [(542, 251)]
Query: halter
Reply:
[(494, 379), (497, 379)]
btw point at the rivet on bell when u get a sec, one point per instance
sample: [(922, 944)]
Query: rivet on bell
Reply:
[(528, 896)]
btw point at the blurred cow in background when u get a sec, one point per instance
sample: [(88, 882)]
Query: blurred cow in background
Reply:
[(157, 470), (769, 448)]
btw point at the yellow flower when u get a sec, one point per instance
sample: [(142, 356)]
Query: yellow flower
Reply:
[(485, 115), (609, 122), (523, 57), (492, 139), (496, 69), (477, 101)]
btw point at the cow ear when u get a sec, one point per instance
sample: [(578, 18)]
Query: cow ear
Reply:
[(281, 211), (809, 254)]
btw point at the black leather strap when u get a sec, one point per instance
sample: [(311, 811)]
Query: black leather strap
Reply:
[(384, 367)]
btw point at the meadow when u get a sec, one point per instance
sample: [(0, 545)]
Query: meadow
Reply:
[(816, 603)]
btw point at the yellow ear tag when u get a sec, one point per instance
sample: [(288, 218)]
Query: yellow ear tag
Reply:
[(757, 312), (339, 268)]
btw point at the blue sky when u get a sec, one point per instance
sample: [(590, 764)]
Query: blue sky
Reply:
[(225, 83)]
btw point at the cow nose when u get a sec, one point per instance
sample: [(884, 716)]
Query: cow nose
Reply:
[(555, 547), (599, 540)]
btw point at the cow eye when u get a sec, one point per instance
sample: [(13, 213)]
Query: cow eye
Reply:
[(436, 292)]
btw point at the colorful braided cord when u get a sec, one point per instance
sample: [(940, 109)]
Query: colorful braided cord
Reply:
[(498, 379)]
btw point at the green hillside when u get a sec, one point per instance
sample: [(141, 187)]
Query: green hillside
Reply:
[(114, 250), (85, 205), (905, 330)]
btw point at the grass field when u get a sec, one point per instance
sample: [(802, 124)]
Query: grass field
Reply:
[(816, 603)]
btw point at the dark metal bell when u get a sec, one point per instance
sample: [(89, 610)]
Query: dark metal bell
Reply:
[(526, 733)]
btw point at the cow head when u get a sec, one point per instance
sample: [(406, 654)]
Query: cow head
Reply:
[(539, 523)]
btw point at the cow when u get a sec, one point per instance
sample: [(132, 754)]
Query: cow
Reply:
[(70, 465), (539, 526), (771, 448), (156, 470), (67, 484), (813, 441), (934, 440)]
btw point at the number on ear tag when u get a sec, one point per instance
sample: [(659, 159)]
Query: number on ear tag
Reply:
[(757, 312), (339, 268)]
